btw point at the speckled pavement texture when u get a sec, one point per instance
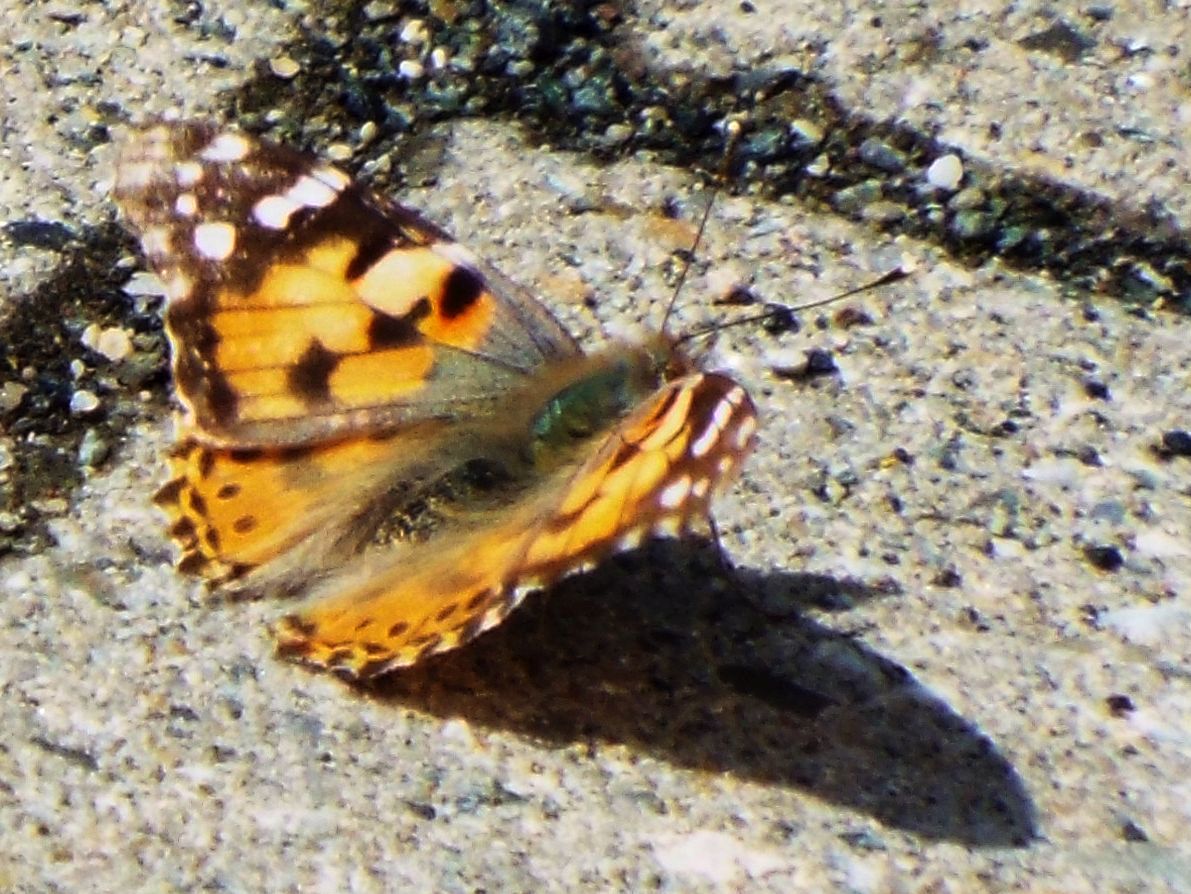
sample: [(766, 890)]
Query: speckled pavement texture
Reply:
[(952, 649)]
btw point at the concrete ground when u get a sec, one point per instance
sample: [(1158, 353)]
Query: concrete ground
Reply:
[(952, 651)]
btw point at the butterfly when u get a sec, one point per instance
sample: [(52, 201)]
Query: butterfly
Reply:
[(375, 420)]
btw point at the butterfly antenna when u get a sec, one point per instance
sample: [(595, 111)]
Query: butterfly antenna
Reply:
[(778, 311), (733, 130)]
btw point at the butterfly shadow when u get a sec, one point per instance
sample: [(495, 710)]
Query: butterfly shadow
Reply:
[(666, 651)]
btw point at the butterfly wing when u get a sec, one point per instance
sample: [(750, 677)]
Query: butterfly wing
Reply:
[(653, 473), (278, 518), (302, 308)]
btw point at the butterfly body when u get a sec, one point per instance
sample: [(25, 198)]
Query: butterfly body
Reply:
[(377, 420)]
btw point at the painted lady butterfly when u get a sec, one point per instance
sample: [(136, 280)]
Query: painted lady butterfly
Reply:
[(350, 377)]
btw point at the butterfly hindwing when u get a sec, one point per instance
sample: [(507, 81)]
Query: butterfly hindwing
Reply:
[(652, 473)]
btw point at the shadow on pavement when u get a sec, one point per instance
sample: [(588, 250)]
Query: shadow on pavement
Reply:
[(664, 651)]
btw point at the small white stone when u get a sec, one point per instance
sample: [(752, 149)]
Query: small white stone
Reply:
[(90, 336), (11, 395), (284, 67), (411, 69), (215, 241), (186, 205), (113, 343), (142, 283), (945, 172), (83, 402), (439, 58), (414, 32)]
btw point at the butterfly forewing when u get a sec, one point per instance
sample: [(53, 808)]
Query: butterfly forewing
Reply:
[(301, 307)]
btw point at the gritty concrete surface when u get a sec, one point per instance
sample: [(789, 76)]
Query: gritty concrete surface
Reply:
[(926, 669)]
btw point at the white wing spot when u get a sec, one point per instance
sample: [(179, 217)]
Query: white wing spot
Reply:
[(703, 444), (186, 205), (675, 495), (670, 526), (177, 286), (631, 539), (721, 414), (226, 147), (274, 212), (724, 466), (187, 173), (735, 397), (156, 241), (745, 432), (311, 192), (701, 487), (215, 241)]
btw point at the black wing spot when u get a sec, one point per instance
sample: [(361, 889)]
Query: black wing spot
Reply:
[(214, 541), (206, 463), (197, 504), (244, 524), (228, 491), (311, 375), (476, 601), (462, 289), (398, 629), (170, 492), (368, 253), (193, 563), (386, 331), (293, 454), (222, 399), (299, 626), (184, 530), (245, 455)]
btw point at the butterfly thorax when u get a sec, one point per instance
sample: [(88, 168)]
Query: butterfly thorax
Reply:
[(593, 397)]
